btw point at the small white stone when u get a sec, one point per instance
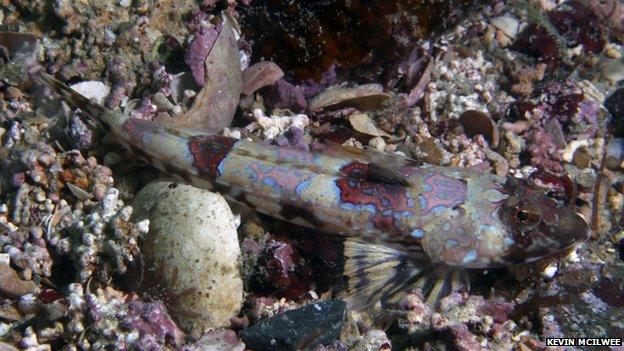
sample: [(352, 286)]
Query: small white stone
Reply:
[(177, 109), (88, 239), (377, 143), (92, 89), (188, 93), (506, 24), (568, 152), (143, 226), (236, 134), (550, 271), (573, 255), (125, 213), (132, 337)]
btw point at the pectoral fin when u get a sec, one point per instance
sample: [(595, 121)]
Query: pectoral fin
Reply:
[(379, 273)]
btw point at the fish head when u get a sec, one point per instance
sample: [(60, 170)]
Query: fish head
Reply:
[(537, 225), (500, 222)]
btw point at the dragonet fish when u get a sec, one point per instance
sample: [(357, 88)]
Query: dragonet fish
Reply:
[(404, 225)]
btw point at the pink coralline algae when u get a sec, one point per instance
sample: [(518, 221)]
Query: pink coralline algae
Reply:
[(294, 137), (562, 114), (470, 321), (286, 96), (198, 50), (162, 79), (146, 109), (151, 320), (283, 271), (123, 81)]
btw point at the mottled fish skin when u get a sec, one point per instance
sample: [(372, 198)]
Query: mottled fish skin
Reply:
[(458, 217)]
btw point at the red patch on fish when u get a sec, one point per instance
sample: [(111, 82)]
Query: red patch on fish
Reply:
[(441, 191), (208, 152), (355, 170), (387, 199)]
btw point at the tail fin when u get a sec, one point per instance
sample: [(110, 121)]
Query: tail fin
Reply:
[(70, 95), (376, 272)]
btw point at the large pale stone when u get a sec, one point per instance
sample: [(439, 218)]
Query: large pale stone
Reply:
[(192, 245)]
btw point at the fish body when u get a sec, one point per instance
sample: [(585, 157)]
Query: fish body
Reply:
[(397, 215)]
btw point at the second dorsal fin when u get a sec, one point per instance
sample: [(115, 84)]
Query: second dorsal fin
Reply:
[(381, 174), (382, 167), (368, 155)]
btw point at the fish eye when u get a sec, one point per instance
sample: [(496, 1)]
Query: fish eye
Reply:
[(522, 216)]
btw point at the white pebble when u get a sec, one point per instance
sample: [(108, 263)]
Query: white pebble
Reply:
[(95, 90), (506, 24), (377, 143), (550, 271), (143, 226), (568, 152)]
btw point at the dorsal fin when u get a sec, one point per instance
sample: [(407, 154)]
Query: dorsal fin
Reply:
[(382, 167), (368, 155), (381, 174)]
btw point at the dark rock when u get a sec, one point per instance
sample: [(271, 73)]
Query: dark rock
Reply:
[(578, 25), (615, 104), (305, 38), (302, 328), (536, 41)]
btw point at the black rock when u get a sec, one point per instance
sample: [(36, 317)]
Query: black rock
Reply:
[(317, 323), (615, 104)]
